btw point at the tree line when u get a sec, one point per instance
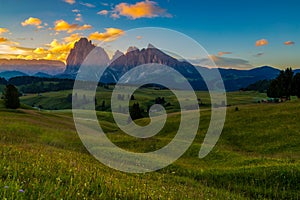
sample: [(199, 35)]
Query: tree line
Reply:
[(285, 85)]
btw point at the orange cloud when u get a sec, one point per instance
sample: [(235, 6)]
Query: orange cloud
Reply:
[(49, 57), (110, 35), (3, 30), (70, 1), (62, 57), (56, 51), (289, 43), (56, 47), (261, 42), (39, 51), (72, 38), (31, 21), (61, 25), (7, 50), (60, 51), (224, 53), (147, 9), (2, 39)]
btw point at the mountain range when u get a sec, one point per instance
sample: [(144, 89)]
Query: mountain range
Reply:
[(121, 63), (31, 67)]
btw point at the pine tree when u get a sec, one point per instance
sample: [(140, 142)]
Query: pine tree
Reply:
[(11, 97), (296, 85), (282, 85), (136, 112)]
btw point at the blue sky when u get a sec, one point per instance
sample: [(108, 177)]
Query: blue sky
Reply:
[(248, 33)]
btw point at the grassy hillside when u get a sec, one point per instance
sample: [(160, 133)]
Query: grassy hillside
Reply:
[(257, 157), (58, 100)]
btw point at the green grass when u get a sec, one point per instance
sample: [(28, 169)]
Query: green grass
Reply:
[(257, 156), (50, 100), (144, 96)]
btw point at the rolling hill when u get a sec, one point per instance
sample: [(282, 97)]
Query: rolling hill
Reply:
[(257, 157)]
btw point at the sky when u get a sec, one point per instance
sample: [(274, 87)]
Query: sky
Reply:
[(236, 34)]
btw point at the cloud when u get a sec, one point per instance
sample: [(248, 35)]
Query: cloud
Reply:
[(224, 53), (289, 43), (143, 9), (49, 57), (70, 1), (39, 51), (32, 21), (261, 42), (79, 17), (102, 12), (231, 62), (56, 47), (72, 38), (104, 4), (56, 50), (114, 16), (75, 11), (6, 41), (3, 30), (139, 37), (2, 39), (223, 62), (110, 35), (62, 25), (13, 50), (62, 57), (89, 5), (259, 54)]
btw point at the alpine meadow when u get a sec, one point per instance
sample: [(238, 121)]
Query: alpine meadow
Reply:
[(149, 99)]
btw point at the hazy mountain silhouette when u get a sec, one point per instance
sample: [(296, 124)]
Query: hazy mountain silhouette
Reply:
[(31, 67), (10, 74), (121, 63)]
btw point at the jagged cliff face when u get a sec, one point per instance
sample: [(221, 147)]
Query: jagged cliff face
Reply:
[(135, 57), (121, 63), (77, 55)]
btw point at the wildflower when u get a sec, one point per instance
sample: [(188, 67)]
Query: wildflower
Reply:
[(6, 187), (21, 190)]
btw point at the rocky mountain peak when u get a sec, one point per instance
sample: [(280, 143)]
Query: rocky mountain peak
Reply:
[(151, 46), (77, 55), (117, 55), (132, 48)]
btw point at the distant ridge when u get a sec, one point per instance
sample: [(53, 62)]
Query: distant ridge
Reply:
[(10, 74), (121, 63), (31, 67), (42, 75)]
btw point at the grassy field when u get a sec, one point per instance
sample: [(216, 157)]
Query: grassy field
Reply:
[(257, 156), (145, 96)]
